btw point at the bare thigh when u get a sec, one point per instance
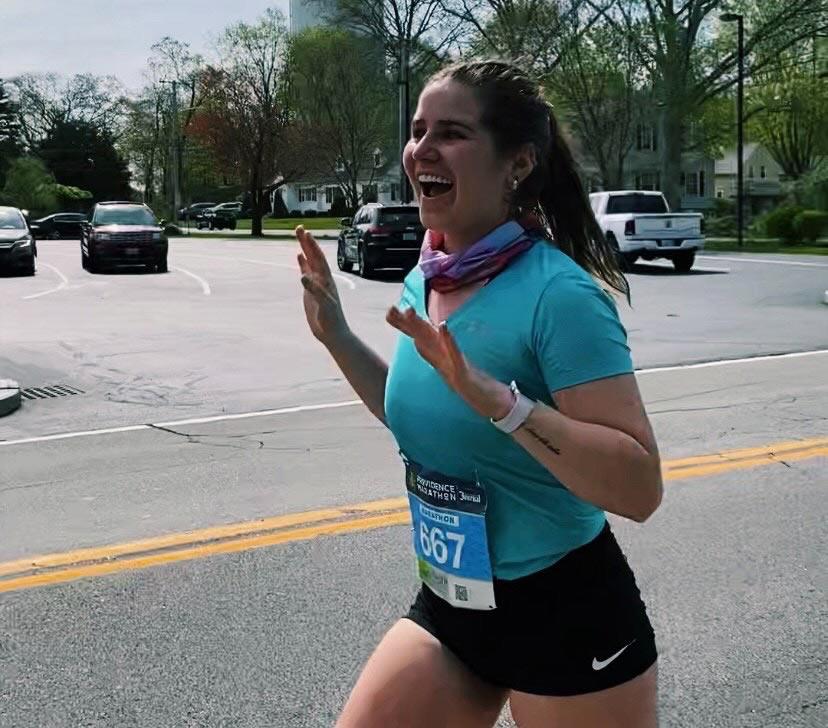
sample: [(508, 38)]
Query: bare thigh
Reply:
[(629, 705), (412, 680)]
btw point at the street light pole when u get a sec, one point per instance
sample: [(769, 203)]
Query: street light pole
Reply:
[(404, 112), (739, 19)]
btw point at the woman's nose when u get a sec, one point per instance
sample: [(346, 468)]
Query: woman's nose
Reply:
[(423, 148)]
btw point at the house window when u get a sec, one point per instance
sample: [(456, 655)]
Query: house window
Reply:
[(646, 137), (693, 183), (330, 193), (369, 193), (307, 194), (647, 181), (719, 193), (762, 171)]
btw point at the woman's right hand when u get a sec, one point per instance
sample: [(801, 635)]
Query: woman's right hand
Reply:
[(321, 299)]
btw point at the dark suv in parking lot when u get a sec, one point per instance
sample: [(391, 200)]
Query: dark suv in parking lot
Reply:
[(123, 233), (380, 236)]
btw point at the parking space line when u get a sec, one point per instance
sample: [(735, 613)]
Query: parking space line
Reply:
[(205, 287), (336, 276), (725, 362), (64, 281)]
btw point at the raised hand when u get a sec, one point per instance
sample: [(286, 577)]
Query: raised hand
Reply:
[(323, 309), (437, 346)]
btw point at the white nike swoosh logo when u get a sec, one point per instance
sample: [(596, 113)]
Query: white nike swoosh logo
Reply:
[(601, 664)]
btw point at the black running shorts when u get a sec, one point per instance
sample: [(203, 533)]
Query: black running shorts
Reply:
[(575, 627)]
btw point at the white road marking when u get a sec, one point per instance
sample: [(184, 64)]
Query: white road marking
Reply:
[(179, 423), (723, 362), (204, 285), (763, 260), (64, 281), (356, 402)]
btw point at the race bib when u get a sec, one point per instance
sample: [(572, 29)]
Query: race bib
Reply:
[(449, 520)]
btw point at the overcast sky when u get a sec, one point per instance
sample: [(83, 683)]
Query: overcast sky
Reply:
[(110, 37)]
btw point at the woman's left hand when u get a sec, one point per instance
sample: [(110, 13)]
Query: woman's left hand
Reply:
[(437, 346)]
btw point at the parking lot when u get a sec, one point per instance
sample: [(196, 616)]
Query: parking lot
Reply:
[(202, 400)]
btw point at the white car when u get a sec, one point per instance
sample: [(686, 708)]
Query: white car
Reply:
[(639, 224)]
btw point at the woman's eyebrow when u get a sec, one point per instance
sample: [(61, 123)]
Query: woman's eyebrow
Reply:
[(443, 122)]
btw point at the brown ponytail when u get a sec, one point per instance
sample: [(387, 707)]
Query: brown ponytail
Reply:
[(516, 114)]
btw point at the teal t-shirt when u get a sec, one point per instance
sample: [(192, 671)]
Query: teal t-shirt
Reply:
[(545, 323)]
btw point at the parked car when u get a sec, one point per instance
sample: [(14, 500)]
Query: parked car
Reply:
[(380, 236), (18, 247), (194, 211), (60, 225), (123, 233), (221, 216), (639, 224)]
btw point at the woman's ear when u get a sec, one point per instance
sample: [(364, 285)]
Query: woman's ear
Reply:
[(524, 162)]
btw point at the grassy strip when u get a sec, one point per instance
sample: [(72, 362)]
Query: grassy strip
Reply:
[(764, 246), (288, 223)]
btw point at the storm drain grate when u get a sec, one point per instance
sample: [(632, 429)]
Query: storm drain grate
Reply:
[(49, 392)]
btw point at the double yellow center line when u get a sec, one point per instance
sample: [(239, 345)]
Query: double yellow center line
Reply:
[(83, 563)]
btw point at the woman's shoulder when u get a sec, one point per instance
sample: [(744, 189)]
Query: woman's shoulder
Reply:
[(544, 263)]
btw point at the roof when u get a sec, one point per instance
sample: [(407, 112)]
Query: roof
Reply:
[(727, 164)]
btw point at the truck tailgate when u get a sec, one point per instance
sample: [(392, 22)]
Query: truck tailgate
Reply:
[(687, 225)]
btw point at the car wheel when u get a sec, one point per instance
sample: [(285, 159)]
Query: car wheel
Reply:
[(84, 260), (161, 266), (683, 262), (342, 262), (30, 271), (366, 270), (623, 259), (92, 263)]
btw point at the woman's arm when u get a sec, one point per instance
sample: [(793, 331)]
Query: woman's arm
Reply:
[(364, 369), (599, 444)]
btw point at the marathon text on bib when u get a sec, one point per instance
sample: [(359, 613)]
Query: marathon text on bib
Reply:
[(449, 520)]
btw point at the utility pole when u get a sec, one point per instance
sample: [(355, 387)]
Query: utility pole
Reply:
[(404, 83)]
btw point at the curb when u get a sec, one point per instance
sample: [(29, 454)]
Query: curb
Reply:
[(9, 396)]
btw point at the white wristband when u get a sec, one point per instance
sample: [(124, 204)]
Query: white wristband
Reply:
[(519, 413)]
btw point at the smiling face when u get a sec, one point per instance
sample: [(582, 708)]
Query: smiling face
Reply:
[(463, 185)]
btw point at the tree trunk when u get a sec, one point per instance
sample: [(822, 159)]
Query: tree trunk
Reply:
[(671, 142), (256, 202)]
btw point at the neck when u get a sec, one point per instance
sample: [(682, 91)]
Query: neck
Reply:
[(456, 241)]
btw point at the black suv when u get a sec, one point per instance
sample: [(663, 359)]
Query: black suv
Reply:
[(380, 236), (123, 233)]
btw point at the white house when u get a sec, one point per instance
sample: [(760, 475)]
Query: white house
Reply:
[(762, 178)]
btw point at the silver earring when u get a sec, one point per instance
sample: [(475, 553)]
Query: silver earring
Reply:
[(515, 183)]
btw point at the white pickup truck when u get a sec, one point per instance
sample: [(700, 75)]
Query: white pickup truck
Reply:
[(639, 224)]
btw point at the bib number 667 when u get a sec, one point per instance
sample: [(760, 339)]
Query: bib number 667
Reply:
[(434, 543)]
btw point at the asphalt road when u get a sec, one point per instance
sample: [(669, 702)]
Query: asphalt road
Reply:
[(272, 631)]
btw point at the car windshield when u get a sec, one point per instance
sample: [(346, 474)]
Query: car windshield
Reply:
[(400, 215), (12, 220), (618, 204), (124, 216)]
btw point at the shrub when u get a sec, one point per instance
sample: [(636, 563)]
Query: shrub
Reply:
[(310, 213), (724, 226), (810, 224), (779, 223), (295, 213)]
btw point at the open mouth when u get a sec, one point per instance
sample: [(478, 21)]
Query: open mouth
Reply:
[(434, 186)]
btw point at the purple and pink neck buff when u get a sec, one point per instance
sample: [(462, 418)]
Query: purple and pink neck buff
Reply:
[(445, 272)]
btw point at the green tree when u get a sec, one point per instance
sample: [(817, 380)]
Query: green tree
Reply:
[(339, 90), (246, 119), (79, 154), (690, 56), (791, 108), (30, 186)]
